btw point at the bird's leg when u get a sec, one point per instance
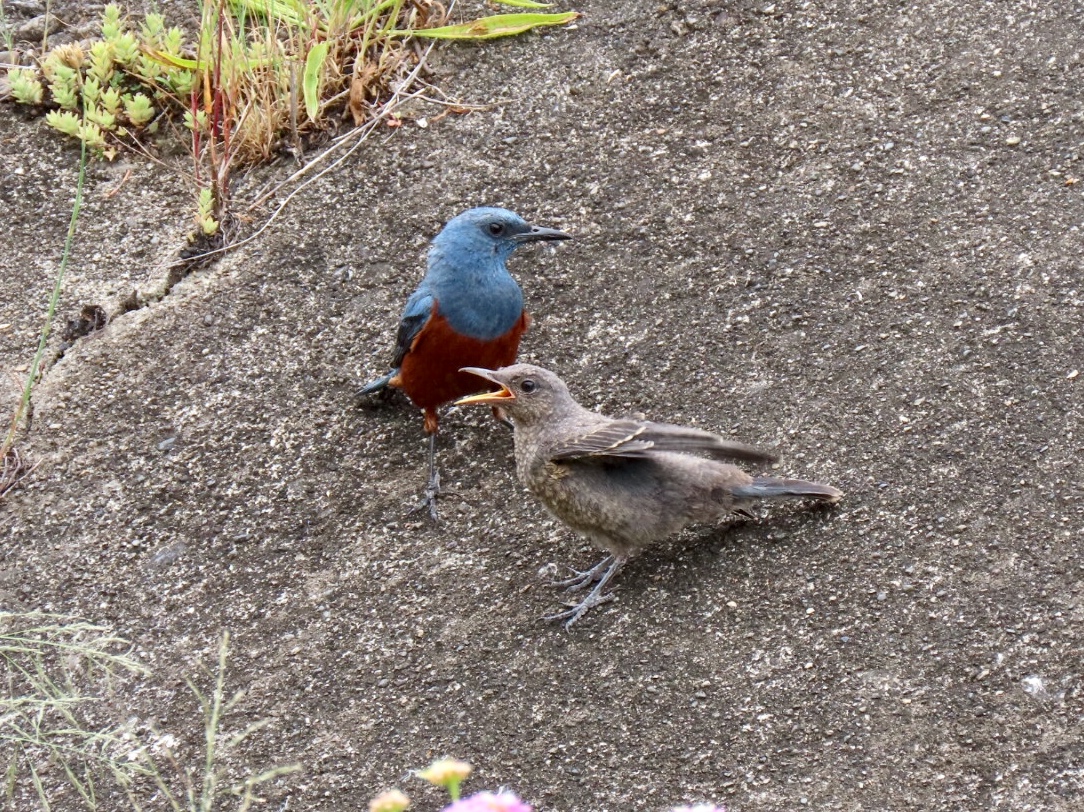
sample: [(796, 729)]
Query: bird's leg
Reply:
[(594, 597), (432, 486), (584, 579)]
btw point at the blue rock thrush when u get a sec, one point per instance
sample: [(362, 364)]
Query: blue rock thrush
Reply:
[(623, 483), (468, 310)]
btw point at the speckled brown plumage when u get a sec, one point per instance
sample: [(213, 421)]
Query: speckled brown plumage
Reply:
[(624, 484)]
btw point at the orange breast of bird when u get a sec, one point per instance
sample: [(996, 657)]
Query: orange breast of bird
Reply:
[(430, 375)]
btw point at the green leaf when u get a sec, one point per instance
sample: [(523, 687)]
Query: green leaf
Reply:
[(498, 25), (291, 12), (64, 120), (523, 3), (25, 86), (138, 109), (173, 60), (310, 82)]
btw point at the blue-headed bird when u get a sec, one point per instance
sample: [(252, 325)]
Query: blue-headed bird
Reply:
[(467, 311)]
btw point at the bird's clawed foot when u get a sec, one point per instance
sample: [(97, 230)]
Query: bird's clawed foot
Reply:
[(432, 487), (611, 564), (577, 610), (432, 491), (582, 580)]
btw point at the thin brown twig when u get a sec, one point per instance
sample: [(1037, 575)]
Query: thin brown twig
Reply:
[(365, 130), (360, 133), (14, 469), (464, 106), (111, 193)]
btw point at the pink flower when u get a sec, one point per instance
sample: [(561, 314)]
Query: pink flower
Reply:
[(489, 802)]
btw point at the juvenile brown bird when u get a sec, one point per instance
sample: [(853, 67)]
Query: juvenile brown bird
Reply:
[(623, 484)]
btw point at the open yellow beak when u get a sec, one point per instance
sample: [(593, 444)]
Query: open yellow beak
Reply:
[(502, 395)]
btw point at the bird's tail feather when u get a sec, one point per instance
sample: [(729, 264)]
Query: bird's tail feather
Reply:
[(378, 385), (770, 487)]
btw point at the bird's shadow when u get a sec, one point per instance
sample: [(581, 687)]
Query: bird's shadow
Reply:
[(386, 399), (685, 558), (391, 401), (469, 444)]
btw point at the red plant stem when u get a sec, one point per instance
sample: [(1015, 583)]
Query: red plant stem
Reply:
[(216, 112), (193, 106)]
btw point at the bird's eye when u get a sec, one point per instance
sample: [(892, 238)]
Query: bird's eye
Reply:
[(528, 386), (496, 229)]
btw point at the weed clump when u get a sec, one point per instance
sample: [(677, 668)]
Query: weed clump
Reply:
[(258, 78), (59, 734)]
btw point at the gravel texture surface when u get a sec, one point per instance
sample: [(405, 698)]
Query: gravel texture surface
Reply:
[(849, 232)]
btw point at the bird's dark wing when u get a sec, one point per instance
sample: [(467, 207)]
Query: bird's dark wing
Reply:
[(618, 438), (630, 438), (419, 308), (667, 437)]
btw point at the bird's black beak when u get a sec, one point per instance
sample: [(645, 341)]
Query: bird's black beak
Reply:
[(502, 395), (540, 234)]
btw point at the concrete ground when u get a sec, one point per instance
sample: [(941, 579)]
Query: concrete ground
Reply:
[(848, 231)]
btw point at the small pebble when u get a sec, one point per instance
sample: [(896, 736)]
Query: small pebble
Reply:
[(25, 6), (168, 555), (1012, 140), (34, 29)]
